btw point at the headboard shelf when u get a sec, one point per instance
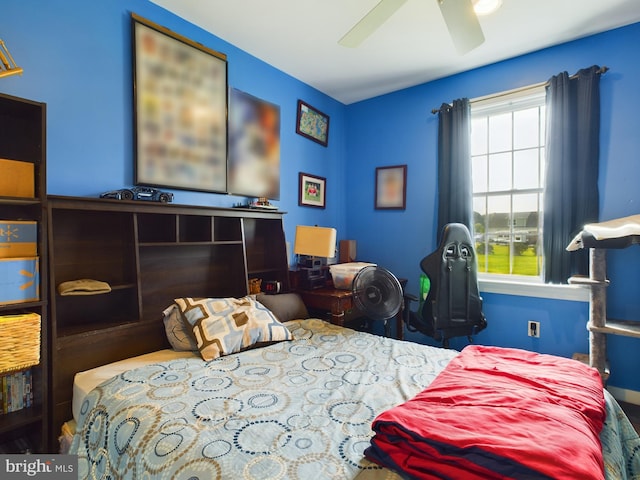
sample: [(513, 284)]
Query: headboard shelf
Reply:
[(68, 334), (150, 254), (169, 244)]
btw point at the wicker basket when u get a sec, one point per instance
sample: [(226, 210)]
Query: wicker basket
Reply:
[(19, 341), (254, 285)]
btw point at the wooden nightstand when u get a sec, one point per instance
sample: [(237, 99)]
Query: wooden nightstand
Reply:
[(340, 304)]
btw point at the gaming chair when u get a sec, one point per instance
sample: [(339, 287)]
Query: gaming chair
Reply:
[(453, 306)]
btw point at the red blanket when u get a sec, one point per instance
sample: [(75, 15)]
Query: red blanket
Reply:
[(498, 413)]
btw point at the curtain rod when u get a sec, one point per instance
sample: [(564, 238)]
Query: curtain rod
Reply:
[(600, 71)]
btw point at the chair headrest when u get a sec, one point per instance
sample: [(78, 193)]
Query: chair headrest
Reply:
[(455, 233)]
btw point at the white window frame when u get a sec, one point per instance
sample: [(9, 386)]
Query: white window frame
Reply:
[(521, 285)]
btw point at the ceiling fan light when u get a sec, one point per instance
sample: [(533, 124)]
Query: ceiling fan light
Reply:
[(486, 7)]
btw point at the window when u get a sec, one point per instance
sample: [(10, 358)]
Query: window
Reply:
[(507, 156)]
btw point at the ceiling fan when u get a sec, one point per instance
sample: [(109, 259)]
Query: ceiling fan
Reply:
[(459, 16)]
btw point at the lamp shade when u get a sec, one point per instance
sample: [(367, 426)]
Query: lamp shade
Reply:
[(315, 241)]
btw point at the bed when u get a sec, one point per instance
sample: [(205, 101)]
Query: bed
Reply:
[(299, 408)]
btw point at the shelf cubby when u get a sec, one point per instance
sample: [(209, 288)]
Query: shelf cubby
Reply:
[(156, 228), (195, 228)]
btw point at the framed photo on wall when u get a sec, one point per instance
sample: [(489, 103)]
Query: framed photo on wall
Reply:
[(312, 190), (391, 187), (312, 123), (180, 110)]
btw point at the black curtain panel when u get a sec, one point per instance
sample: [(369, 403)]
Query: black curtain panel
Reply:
[(455, 191), (571, 186)]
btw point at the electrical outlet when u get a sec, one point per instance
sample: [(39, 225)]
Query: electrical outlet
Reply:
[(533, 329)]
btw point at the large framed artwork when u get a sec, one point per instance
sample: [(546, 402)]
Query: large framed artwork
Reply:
[(180, 110), (312, 190), (391, 187), (254, 146), (312, 123)]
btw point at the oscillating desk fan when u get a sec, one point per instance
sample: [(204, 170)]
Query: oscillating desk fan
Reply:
[(378, 294)]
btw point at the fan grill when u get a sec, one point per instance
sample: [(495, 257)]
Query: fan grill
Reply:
[(377, 292)]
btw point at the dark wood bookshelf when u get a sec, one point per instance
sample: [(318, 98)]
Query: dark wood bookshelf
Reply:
[(23, 139)]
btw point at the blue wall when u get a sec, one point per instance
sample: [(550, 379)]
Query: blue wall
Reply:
[(77, 59), (399, 128)]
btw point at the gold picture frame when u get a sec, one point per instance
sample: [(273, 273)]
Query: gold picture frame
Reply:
[(180, 110)]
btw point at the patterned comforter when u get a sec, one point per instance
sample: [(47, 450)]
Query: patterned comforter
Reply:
[(292, 410)]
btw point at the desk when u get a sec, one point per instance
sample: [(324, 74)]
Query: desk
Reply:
[(339, 303)]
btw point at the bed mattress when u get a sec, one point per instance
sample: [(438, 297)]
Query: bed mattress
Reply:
[(85, 382), (291, 410)]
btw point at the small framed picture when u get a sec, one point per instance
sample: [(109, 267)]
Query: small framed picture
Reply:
[(312, 124), (391, 187), (312, 190)]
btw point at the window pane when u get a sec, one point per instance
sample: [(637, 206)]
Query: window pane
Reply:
[(479, 212), (479, 231), (498, 234), (525, 169), (500, 172), (525, 128), (498, 208), (479, 135), (523, 208), (500, 133), (527, 250), (479, 173), (543, 125)]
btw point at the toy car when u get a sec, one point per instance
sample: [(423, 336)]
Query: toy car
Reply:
[(139, 193)]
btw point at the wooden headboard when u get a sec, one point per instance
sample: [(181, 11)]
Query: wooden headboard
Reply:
[(149, 254)]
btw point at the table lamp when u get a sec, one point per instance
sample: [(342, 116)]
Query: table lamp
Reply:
[(312, 245)]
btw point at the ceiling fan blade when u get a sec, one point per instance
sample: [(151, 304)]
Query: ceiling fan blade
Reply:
[(462, 23), (370, 22)]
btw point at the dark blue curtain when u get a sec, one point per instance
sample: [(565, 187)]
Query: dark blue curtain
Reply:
[(571, 187), (455, 191)]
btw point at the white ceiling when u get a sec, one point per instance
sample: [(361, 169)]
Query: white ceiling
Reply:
[(300, 37)]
